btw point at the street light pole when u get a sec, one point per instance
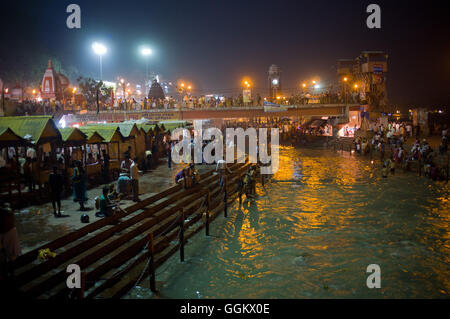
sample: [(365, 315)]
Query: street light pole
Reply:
[(146, 73), (146, 52), (99, 49), (101, 75), (345, 90), (346, 93)]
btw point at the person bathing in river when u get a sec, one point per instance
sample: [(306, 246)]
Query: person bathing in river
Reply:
[(253, 180), (384, 171), (240, 189), (249, 183), (390, 165), (358, 147), (246, 184), (382, 149)]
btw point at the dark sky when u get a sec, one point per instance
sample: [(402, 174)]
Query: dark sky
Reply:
[(214, 44)]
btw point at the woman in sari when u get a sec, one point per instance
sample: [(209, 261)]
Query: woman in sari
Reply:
[(79, 185)]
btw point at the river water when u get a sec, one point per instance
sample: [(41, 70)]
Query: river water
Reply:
[(312, 232)]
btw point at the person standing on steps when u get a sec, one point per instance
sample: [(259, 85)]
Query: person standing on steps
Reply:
[(105, 166), (79, 185), (56, 183), (169, 153), (134, 175)]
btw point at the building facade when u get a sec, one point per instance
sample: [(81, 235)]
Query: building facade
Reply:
[(274, 81), (366, 77)]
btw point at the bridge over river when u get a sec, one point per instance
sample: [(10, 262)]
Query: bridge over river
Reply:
[(308, 111)]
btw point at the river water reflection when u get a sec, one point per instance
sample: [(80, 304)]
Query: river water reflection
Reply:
[(312, 232)]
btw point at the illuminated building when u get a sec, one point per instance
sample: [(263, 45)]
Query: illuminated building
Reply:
[(367, 76), (53, 84), (274, 79)]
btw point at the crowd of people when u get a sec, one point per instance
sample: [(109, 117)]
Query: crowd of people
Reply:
[(22, 166), (45, 107), (191, 101), (390, 142), (38, 107)]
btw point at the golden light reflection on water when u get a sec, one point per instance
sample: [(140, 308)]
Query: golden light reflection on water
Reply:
[(331, 194), (322, 219), (248, 239)]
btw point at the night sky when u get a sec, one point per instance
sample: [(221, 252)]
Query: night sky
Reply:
[(214, 44)]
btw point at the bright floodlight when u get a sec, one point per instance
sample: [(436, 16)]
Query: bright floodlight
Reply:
[(146, 51), (99, 48), (275, 81)]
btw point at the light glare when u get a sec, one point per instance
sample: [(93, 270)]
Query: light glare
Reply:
[(99, 48), (146, 51)]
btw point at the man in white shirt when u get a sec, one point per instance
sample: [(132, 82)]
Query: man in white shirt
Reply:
[(125, 166), (31, 153), (134, 175)]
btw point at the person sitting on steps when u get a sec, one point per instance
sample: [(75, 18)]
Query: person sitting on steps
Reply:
[(105, 205)]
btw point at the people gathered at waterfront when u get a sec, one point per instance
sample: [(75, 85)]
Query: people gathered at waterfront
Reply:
[(392, 144)]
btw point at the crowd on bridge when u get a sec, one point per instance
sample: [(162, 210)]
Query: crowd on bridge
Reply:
[(45, 107)]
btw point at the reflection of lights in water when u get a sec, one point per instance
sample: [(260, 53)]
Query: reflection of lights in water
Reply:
[(315, 218)]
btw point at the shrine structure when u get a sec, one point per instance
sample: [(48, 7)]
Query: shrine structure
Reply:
[(53, 84)]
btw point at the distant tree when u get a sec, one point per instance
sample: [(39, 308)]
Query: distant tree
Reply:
[(89, 88), (106, 93)]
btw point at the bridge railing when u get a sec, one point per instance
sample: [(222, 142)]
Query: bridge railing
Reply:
[(222, 108)]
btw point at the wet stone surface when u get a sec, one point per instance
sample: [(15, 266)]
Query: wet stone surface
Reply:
[(36, 225)]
